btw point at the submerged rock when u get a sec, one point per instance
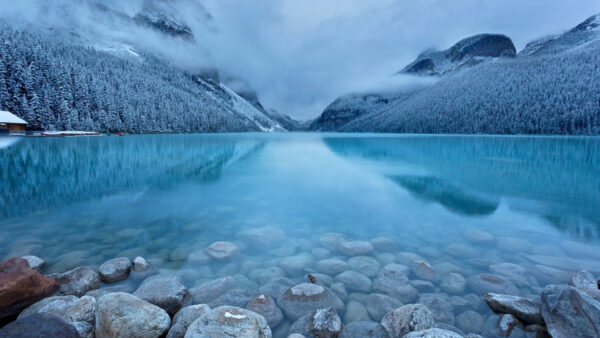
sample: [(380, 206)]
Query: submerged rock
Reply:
[(332, 241), (363, 329), (79, 312), (21, 286), (378, 305), (433, 333), (295, 265), (265, 306), (140, 264), (355, 311), (302, 299), (354, 281), (222, 250), (356, 248), (406, 319), (523, 309), (383, 244), (571, 312), (325, 323), (441, 310), (39, 325), (366, 265), (584, 279), (470, 321), (124, 315), (77, 281), (453, 283), (487, 283), (184, 318), (229, 321), (166, 292), (395, 284), (263, 237), (210, 290), (35, 262), (115, 270), (331, 266)]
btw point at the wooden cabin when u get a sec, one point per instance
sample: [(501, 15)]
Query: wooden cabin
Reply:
[(10, 123)]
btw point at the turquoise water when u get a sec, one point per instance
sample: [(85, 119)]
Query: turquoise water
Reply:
[(80, 201)]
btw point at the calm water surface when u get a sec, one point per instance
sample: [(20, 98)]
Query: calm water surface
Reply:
[(80, 201)]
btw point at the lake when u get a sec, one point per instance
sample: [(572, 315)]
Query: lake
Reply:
[(523, 208)]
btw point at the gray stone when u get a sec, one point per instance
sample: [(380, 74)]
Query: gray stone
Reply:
[(378, 305), (340, 290), (320, 253), (238, 298), (433, 333), (355, 311), (367, 265), (140, 264), (461, 250), (222, 250), (584, 279), (332, 241), (406, 319), (386, 258), (354, 281), (325, 323), (301, 326), (441, 310), (423, 270), (210, 290), (363, 329), (125, 287), (395, 284), (296, 265), (449, 327), (166, 292), (276, 287), (548, 275), (320, 277), (513, 272), (571, 312), (184, 318), (523, 309), (265, 274), (506, 325), (265, 306), (453, 283), (423, 285), (397, 268), (479, 236), (305, 298), (407, 258), (39, 325), (124, 315), (35, 262), (229, 321), (470, 321), (383, 244), (355, 248), (79, 312), (487, 283), (77, 281), (331, 266), (115, 270), (263, 237)]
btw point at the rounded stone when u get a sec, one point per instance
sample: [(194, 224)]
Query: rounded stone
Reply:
[(363, 329), (124, 315), (325, 323), (222, 250), (378, 305), (440, 308), (331, 266), (303, 299), (331, 241), (356, 248), (296, 265), (433, 333), (263, 237), (395, 284), (367, 265), (470, 322), (355, 311), (39, 325), (487, 283), (167, 292), (184, 318), (354, 281), (140, 264), (422, 270), (210, 290), (406, 319), (453, 283), (265, 306), (77, 281), (115, 270), (229, 321), (383, 244)]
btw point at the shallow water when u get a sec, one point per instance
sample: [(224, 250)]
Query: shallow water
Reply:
[(80, 201)]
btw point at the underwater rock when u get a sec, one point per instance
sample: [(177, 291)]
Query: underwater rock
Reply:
[(222, 250), (406, 319)]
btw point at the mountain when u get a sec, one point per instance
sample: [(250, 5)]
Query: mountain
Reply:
[(86, 77), (466, 53), (551, 87)]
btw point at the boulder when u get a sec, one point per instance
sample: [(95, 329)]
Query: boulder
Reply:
[(325, 323), (35, 262), (356, 248), (453, 283), (395, 284), (210, 290), (39, 325), (184, 318), (433, 333), (523, 309), (367, 265), (571, 312), (21, 286), (331, 266), (222, 250), (276, 287), (229, 321), (302, 299), (124, 315), (487, 283), (378, 305), (166, 292), (79, 312), (406, 319), (354, 281), (584, 279), (363, 329), (440, 308), (265, 306), (506, 324), (115, 270), (77, 282)]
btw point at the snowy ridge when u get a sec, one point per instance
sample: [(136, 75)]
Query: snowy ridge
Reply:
[(246, 109)]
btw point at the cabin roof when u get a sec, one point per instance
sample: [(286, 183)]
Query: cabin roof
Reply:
[(6, 117)]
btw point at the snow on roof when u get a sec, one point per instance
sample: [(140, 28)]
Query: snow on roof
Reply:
[(6, 117)]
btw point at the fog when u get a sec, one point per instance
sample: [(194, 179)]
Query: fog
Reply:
[(299, 55)]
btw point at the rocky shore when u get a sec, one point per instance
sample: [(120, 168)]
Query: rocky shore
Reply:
[(341, 287)]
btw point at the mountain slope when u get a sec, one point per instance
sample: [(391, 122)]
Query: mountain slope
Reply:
[(554, 89)]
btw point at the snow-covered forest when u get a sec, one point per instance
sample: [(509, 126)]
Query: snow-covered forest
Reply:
[(55, 85)]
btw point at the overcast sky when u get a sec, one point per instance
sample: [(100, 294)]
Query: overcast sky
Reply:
[(302, 54)]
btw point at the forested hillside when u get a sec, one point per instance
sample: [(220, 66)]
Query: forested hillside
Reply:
[(57, 85)]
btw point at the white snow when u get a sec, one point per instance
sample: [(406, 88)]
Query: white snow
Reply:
[(231, 315)]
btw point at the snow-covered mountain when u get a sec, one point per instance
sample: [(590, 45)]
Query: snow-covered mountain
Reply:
[(551, 87), (163, 34)]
